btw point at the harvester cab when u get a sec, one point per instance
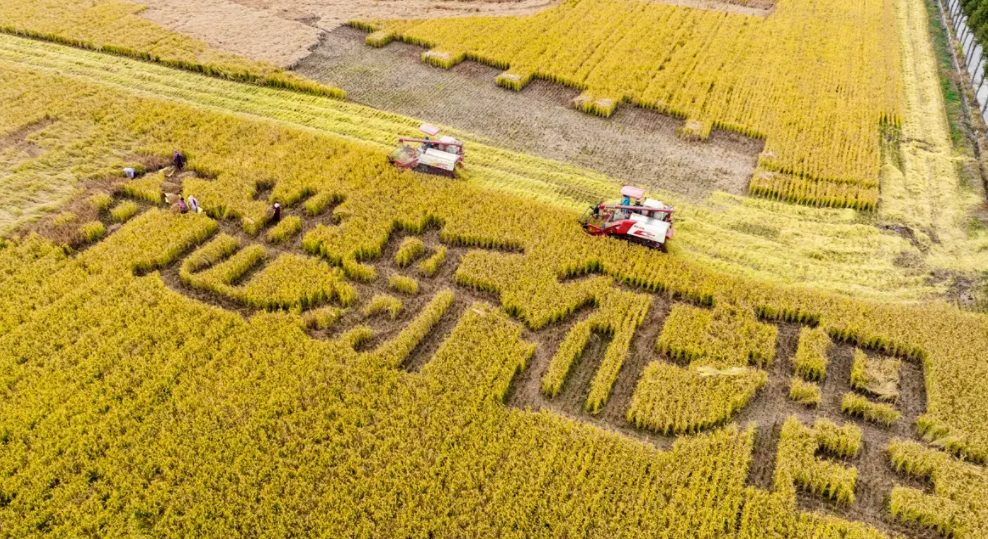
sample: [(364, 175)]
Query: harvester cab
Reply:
[(433, 154), (634, 218)]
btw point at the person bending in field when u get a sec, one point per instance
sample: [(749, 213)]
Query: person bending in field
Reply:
[(178, 160), (276, 212), (193, 204), (180, 206)]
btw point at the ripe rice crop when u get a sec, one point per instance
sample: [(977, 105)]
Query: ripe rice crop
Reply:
[(526, 279), (356, 336), (284, 230), (409, 251), (295, 281), (956, 507), (383, 303), (217, 249), (320, 200), (124, 210), (101, 201), (842, 441), (812, 192), (396, 352), (674, 400), (431, 265), (357, 271), (146, 188), (726, 336), (111, 358), (403, 284), (322, 318), (619, 314), (811, 353), (288, 281), (218, 278), (92, 231), (810, 254), (796, 464), (64, 218), (858, 406), (805, 393)]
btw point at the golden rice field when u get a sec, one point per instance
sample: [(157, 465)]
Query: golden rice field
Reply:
[(786, 77), (405, 355)]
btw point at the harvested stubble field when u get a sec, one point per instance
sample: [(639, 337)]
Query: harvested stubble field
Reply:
[(634, 145), (406, 355)]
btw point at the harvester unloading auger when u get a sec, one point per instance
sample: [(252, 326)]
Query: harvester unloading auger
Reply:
[(635, 218), (443, 155)]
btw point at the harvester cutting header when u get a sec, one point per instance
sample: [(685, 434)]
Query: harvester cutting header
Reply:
[(634, 218), (443, 155)]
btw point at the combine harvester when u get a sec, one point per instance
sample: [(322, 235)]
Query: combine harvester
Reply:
[(443, 155), (636, 219)]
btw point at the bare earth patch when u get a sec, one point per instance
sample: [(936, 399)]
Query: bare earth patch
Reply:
[(634, 145)]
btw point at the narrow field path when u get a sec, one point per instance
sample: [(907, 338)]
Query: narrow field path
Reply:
[(634, 145)]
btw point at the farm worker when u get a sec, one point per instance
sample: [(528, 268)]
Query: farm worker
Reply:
[(130, 173), (178, 160), (625, 201), (193, 204), (180, 205), (276, 209)]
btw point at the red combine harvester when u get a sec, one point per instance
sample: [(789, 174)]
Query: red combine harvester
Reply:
[(635, 218), (443, 155)]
